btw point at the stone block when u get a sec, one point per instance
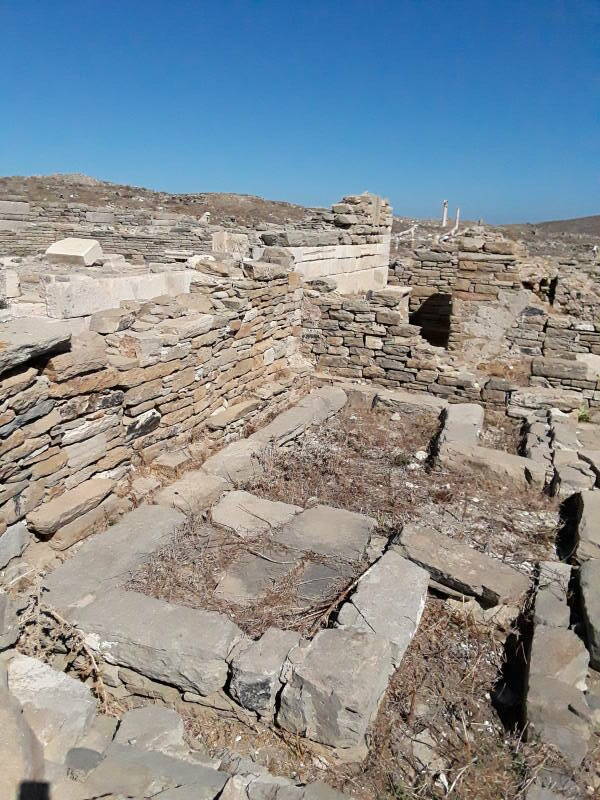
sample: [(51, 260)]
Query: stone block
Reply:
[(194, 492), (335, 685), (46, 519), (248, 515), (589, 581), (82, 252), (24, 339)]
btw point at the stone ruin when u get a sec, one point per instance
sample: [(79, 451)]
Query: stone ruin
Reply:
[(147, 364)]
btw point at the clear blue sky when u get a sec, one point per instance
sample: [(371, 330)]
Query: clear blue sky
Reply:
[(493, 105)]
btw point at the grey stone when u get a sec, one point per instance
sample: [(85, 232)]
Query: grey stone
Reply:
[(558, 714), (81, 760), (551, 607), (30, 337), (588, 525), (153, 728), (589, 581), (313, 409), (248, 515), (256, 671), (388, 601), (10, 608), (238, 462), (107, 559), (251, 575), (329, 531), (560, 654), (335, 685), (193, 492), (456, 565), (58, 708), (182, 647), (463, 423), (12, 543), (20, 752), (136, 773)]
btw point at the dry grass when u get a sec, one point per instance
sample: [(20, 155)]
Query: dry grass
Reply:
[(372, 462), (187, 571)]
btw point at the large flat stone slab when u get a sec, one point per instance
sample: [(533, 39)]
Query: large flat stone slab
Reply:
[(335, 686), (499, 464), (328, 531), (183, 647), (49, 517), (82, 252), (460, 567), (105, 560), (30, 337), (463, 423), (388, 601), (194, 492), (313, 409), (247, 515)]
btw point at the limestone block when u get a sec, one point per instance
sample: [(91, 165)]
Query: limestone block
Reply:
[(228, 242), (13, 207), (463, 423), (74, 251), (9, 284), (100, 217), (58, 708), (560, 654), (589, 580), (249, 515)]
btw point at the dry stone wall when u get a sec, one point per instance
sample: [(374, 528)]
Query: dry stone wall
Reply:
[(146, 378)]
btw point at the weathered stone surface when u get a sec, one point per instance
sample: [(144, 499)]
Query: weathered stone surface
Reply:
[(106, 559), (10, 608), (388, 601), (588, 525), (551, 607), (335, 685), (12, 543), (313, 409), (22, 755), (154, 728), (256, 670), (74, 251), (589, 582), (463, 423), (193, 492), (66, 507), (560, 654), (94, 521), (456, 565), (558, 714), (27, 338), (250, 575), (183, 647), (498, 463), (58, 708), (238, 462), (330, 531), (232, 413), (136, 773), (247, 515)]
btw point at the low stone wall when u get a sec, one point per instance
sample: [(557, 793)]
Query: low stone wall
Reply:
[(146, 378), (537, 332)]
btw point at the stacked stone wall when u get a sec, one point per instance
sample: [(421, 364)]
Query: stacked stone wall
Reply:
[(539, 332), (146, 378)]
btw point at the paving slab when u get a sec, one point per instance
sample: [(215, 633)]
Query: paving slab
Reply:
[(247, 515), (460, 567), (388, 601), (589, 582), (153, 728), (328, 531), (313, 409), (193, 493), (587, 525)]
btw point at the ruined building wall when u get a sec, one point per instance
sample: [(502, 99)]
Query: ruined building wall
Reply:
[(146, 378)]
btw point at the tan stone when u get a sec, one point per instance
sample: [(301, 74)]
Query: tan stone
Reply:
[(94, 382), (95, 520), (138, 375), (68, 506), (49, 466)]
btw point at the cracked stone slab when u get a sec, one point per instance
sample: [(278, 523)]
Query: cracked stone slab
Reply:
[(460, 567), (313, 409), (388, 601), (334, 686), (248, 515)]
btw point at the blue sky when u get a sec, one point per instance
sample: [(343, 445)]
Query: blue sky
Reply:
[(493, 105)]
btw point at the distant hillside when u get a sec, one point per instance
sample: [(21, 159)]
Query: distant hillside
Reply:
[(76, 188), (587, 226)]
